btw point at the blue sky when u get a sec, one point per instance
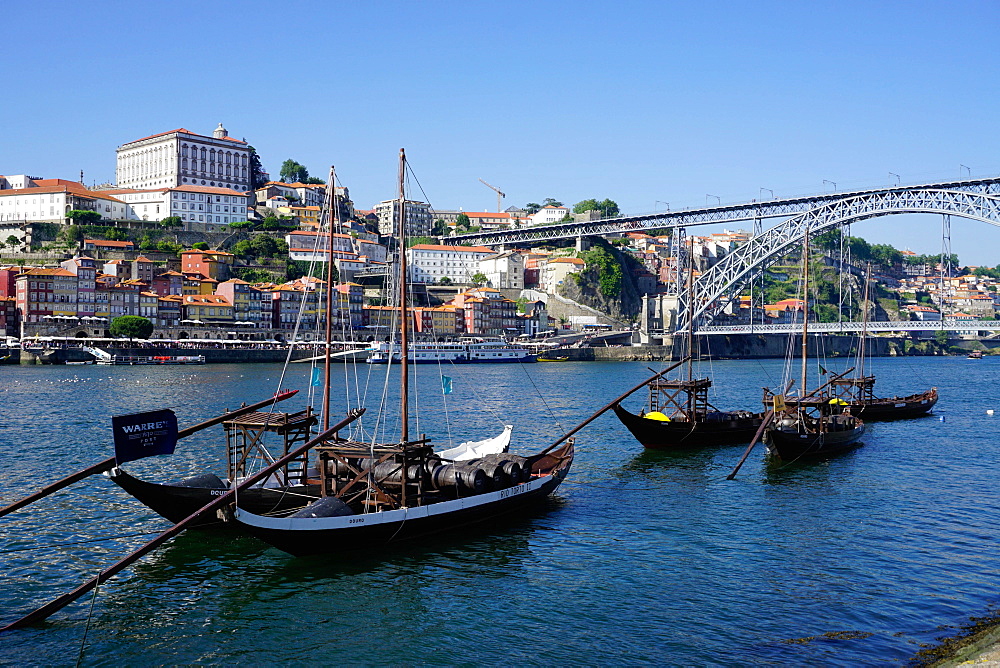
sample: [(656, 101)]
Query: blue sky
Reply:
[(639, 102)]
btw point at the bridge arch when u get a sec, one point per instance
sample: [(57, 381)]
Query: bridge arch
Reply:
[(723, 282)]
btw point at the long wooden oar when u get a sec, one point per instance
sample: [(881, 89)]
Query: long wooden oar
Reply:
[(109, 464), (768, 416), (64, 600), (608, 407)]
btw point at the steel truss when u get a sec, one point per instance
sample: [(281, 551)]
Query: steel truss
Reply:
[(730, 213), (722, 283)]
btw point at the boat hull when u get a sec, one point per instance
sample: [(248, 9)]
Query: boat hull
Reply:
[(331, 535), (176, 502), (790, 446), (657, 435), (896, 408)]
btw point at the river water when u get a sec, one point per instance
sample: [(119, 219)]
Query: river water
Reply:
[(639, 558)]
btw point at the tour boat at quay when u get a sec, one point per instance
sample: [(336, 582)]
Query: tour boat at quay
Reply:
[(465, 350)]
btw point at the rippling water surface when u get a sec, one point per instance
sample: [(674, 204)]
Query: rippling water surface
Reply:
[(640, 557)]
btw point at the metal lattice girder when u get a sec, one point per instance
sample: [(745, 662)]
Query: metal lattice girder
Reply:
[(947, 324), (718, 286), (729, 213)]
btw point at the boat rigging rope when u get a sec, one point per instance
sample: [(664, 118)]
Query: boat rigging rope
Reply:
[(542, 398), (90, 615)]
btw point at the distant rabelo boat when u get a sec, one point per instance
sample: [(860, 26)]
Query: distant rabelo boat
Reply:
[(813, 425), (857, 392), (374, 493), (678, 413)]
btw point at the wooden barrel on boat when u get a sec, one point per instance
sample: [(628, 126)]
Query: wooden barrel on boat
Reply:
[(495, 471), (513, 465), (392, 471), (459, 476)]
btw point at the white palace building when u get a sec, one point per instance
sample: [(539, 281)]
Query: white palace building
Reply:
[(183, 158), (205, 181)]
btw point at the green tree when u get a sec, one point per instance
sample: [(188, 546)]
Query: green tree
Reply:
[(200, 245), (255, 275), (444, 280), (240, 225), (548, 201), (440, 228), (608, 208), (532, 207), (479, 279), (13, 241), (172, 221), (131, 326), (941, 337), (84, 217), (413, 241), (165, 246), (71, 234), (462, 222), (609, 270), (314, 180), (258, 177), (292, 172), (886, 255)]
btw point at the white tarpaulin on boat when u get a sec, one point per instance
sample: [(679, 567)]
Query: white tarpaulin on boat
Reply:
[(475, 449)]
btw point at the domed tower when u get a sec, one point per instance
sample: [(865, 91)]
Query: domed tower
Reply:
[(220, 132)]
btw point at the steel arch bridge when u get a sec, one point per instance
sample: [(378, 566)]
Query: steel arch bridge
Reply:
[(716, 288), (709, 215)]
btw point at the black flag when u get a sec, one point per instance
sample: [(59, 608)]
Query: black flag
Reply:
[(144, 434)]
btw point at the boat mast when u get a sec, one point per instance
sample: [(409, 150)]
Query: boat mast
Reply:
[(805, 308), (404, 333), (690, 308), (864, 326), (331, 204)]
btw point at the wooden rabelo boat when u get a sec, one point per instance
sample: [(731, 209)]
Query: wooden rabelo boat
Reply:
[(858, 391), (282, 490), (678, 413), (374, 493), (812, 425)]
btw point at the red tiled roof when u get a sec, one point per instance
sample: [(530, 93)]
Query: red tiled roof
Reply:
[(468, 249), (110, 244), (185, 131)]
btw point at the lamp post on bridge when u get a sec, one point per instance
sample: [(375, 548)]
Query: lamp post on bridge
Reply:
[(968, 171), (768, 190), (831, 183), (715, 196), (660, 202)]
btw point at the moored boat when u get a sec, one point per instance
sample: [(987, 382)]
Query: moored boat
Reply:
[(375, 492), (811, 425), (467, 350)]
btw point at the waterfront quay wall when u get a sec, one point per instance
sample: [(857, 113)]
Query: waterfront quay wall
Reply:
[(734, 346), (212, 355)]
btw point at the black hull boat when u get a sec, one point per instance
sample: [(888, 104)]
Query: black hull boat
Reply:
[(332, 526), (895, 408), (289, 488), (715, 429), (790, 440), (178, 501)]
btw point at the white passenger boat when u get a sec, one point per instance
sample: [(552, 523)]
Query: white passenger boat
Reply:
[(465, 350)]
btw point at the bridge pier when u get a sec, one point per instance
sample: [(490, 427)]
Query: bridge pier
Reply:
[(582, 244)]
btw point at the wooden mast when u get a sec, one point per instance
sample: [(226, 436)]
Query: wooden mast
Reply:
[(864, 327), (404, 326), (805, 309), (331, 202)]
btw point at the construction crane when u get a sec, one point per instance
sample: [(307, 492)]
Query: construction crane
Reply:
[(500, 195)]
